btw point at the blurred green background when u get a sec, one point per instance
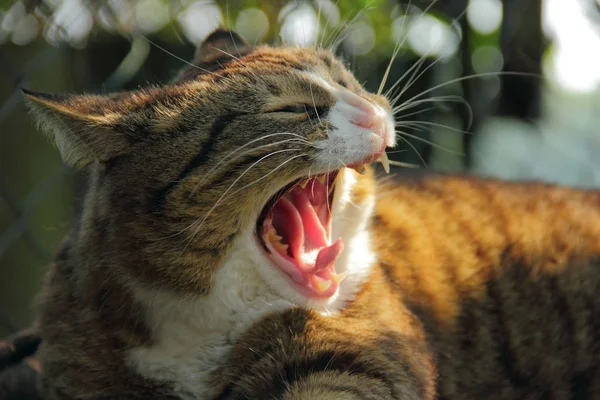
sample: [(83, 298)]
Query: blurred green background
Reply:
[(542, 125)]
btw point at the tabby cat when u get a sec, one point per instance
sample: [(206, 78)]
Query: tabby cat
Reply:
[(234, 243)]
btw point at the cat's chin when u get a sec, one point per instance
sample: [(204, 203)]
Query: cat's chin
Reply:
[(297, 235)]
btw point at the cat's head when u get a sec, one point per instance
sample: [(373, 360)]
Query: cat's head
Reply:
[(245, 167)]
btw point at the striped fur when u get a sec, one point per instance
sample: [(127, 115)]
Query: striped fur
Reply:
[(484, 290), (455, 286)]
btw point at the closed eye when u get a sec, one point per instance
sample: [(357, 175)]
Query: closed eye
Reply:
[(296, 108), (310, 110)]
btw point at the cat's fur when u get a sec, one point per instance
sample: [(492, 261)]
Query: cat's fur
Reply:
[(483, 290), (156, 294)]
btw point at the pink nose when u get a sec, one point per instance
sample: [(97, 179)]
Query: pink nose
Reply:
[(365, 114)]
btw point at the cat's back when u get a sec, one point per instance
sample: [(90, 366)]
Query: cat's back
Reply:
[(504, 277)]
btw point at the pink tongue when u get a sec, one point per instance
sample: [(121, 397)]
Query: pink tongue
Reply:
[(295, 218), (328, 255), (315, 235), (297, 237), (288, 223)]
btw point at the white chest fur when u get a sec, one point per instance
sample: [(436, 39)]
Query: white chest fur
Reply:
[(193, 336)]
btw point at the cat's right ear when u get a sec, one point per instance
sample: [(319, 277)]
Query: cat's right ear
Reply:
[(85, 128)]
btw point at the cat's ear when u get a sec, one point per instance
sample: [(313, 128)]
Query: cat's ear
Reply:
[(86, 128), (218, 48), (222, 43)]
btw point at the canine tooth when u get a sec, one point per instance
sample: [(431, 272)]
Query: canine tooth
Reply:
[(281, 247), (321, 284), (383, 159), (340, 277), (360, 169), (273, 236), (304, 183), (321, 178)]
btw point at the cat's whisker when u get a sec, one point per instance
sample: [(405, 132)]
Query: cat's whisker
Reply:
[(201, 222), (413, 127), (324, 31), (345, 28), (231, 32), (434, 124), (295, 137), (176, 56), (314, 104), (397, 151), (429, 142), (403, 164), (238, 60), (414, 149), (415, 75), (397, 49), (412, 114), (327, 188), (437, 60), (269, 173), (439, 99), (317, 41), (472, 76), (449, 98), (204, 177)]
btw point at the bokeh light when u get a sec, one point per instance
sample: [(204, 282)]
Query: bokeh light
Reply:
[(485, 16), (252, 24), (428, 36), (151, 15), (575, 59), (329, 11), (199, 19), (300, 25), (487, 59), (72, 22), (359, 38)]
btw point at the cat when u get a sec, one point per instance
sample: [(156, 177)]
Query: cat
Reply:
[(234, 243)]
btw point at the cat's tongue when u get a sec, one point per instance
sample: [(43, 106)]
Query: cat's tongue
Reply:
[(297, 234)]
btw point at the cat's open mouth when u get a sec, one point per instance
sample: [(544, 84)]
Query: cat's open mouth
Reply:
[(295, 231)]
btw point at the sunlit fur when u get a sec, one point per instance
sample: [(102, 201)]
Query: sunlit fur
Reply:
[(178, 177)]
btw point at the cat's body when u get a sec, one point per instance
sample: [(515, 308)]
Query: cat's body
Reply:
[(465, 302), (484, 290), (224, 199)]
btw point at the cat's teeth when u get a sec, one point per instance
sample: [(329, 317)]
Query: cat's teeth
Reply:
[(321, 178), (360, 169), (304, 183), (320, 284), (283, 248), (383, 159), (273, 236)]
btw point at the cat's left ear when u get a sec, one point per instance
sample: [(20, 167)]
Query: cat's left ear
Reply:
[(220, 47), (220, 44), (88, 128)]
